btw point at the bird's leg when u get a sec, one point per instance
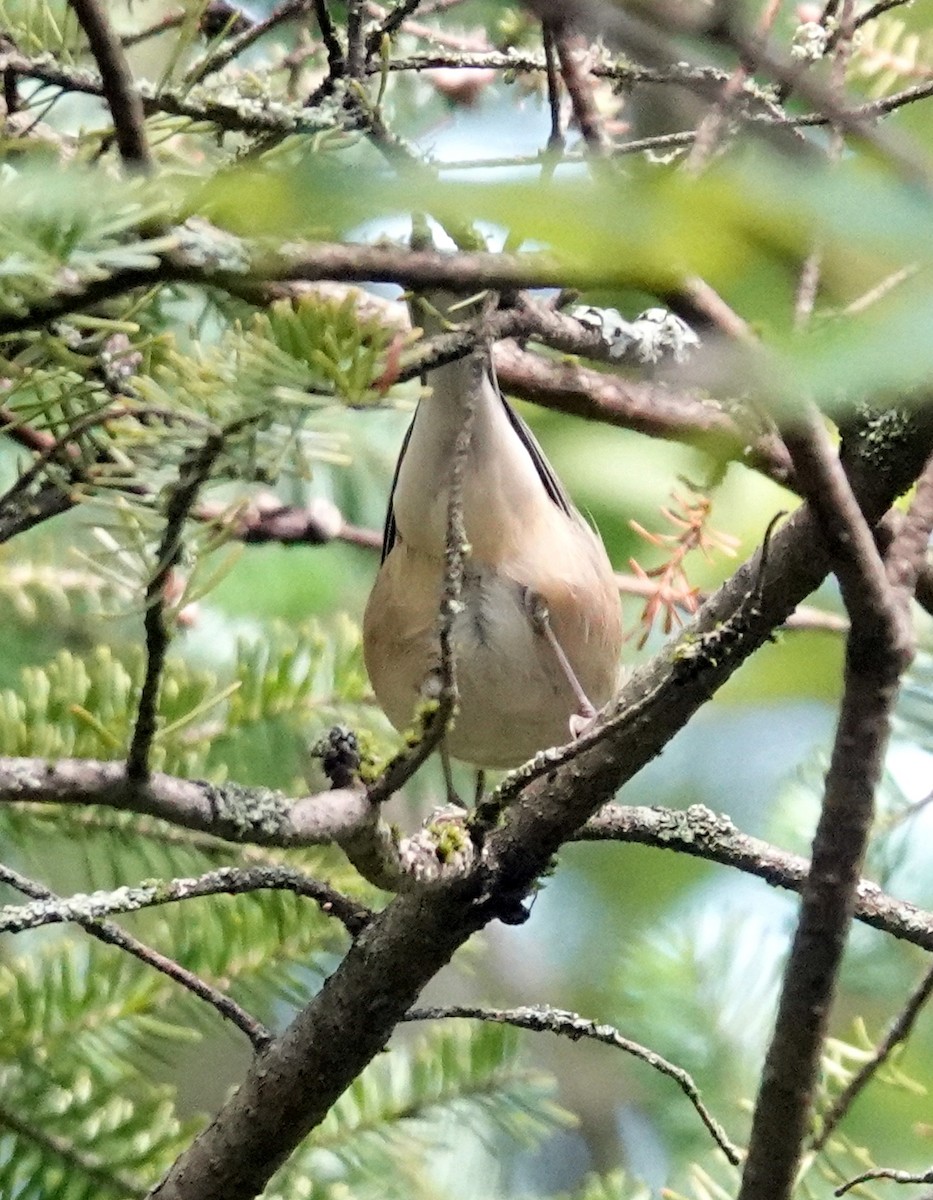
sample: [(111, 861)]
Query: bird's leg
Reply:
[(537, 609), (452, 795)]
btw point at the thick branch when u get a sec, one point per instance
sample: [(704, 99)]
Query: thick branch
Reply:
[(194, 260), (344, 816), (877, 651), (259, 817), (645, 407)]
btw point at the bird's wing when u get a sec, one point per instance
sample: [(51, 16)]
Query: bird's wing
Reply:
[(552, 485), (390, 529)]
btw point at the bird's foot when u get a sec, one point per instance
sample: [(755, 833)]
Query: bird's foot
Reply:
[(582, 722)]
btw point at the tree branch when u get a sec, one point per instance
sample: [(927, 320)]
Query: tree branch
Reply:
[(256, 816), (235, 46), (229, 881), (877, 650), (707, 835), (193, 474), (117, 84), (898, 1032), (575, 1027), (112, 935), (896, 1176), (580, 92)]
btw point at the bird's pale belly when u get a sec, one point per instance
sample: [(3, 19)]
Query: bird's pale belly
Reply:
[(514, 698)]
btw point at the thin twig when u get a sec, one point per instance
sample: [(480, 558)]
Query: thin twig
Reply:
[(808, 285), (112, 935), (194, 472), (580, 91), (392, 23), (235, 46), (225, 881), (710, 128), (286, 120), (65, 448), (117, 84), (243, 116), (898, 1032), (831, 104), (336, 59), (405, 764), (877, 10), (887, 285), (163, 25), (870, 14), (575, 1027), (555, 141), (892, 1173), (266, 520)]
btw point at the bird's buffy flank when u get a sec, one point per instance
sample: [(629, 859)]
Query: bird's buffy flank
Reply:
[(538, 638)]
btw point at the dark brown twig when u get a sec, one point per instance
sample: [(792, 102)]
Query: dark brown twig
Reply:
[(117, 84), (555, 141), (235, 46), (21, 507), (193, 473), (356, 44), (163, 25), (391, 25), (878, 649), (897, 1033), (336, 59), (580, 91)]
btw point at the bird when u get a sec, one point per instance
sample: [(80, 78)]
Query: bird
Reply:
[(537, 636)]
